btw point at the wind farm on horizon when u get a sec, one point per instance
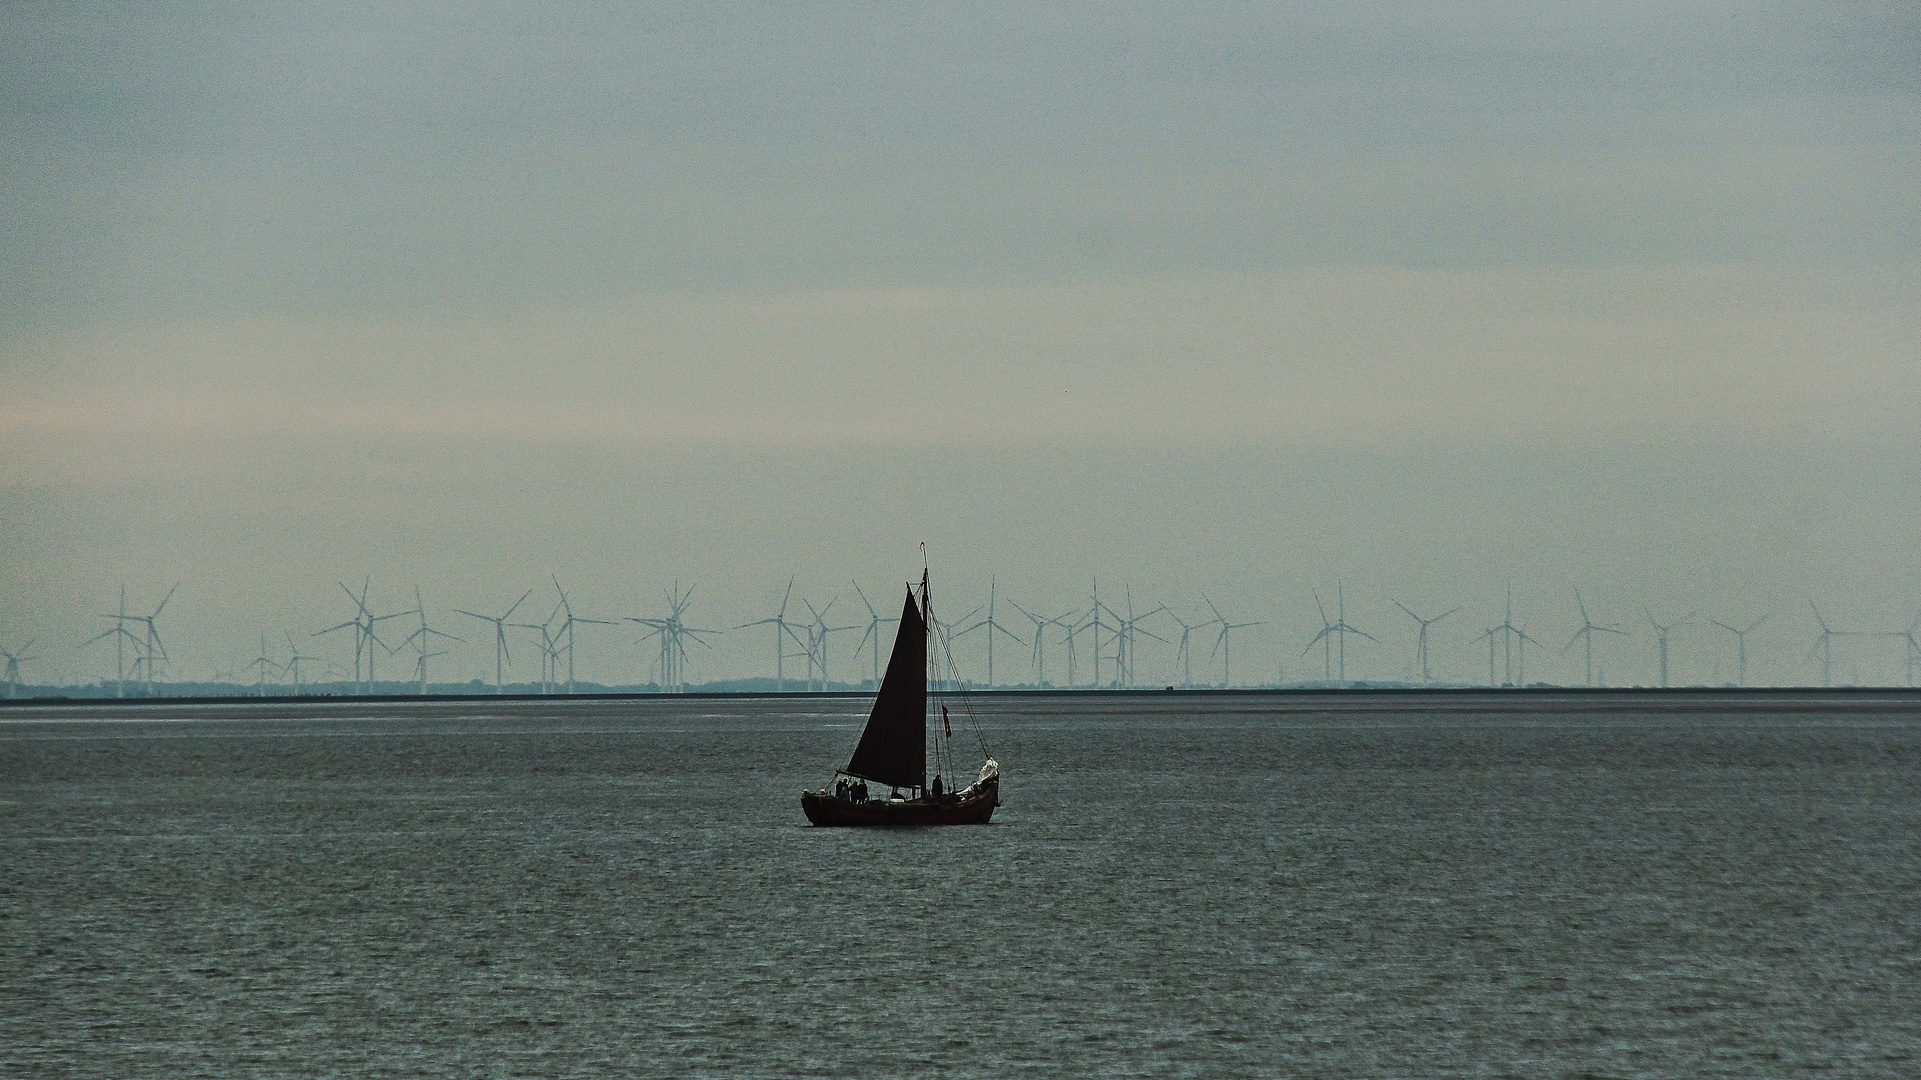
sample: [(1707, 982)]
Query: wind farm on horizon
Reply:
[(1107, 641)]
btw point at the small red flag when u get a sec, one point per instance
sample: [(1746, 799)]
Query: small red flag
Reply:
[(945, 723)]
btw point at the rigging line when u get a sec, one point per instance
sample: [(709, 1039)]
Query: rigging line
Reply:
[(966, 701), (938, 631)]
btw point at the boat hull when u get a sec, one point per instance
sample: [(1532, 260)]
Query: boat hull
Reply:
[(975, 807)]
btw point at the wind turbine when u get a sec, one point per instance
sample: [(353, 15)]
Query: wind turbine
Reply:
[(992, 628), (422, 641), (1513, 640), (1069, 632), (120, 638), (1913, 657), (366, 635), (1741, 646), (1126, 629), (1521, 642), (1065, 620), (782, 631), (1038, 656), (1325, 639), (811, 646), (549, 650), (674, 633), (567, 628), (293, 665), (1094, 623), (818, 635), (14, 660), (873, 631), (1337, 628), (1041, 624), (500, 638), (260, 666), (1586, 635), (1420, 639), (1489, 637), (1824, 644), (360, 630), (1183, 653), (1661, 638), (1222, 643), (154, 647)]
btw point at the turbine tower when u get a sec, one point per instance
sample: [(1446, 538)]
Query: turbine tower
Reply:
[(1661, 639), (1585, 635), (1223, 644), (500, 638), (1740, 646), (14, 659), (992, 628), (1420, 638), (874, 622)]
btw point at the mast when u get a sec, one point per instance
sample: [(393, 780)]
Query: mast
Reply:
[(931, 677)]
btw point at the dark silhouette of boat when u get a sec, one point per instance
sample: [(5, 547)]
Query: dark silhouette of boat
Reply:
[(893, 748)]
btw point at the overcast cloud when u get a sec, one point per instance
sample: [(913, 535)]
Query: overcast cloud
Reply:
[(1622, 295)]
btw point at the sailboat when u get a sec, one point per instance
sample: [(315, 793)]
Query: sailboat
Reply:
[(893, 748)]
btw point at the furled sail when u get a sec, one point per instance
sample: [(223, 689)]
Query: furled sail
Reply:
[(893, 749)]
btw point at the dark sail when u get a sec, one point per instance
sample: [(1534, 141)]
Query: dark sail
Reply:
[(893, 749)]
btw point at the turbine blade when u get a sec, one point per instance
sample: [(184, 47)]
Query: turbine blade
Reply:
[(517, 603)]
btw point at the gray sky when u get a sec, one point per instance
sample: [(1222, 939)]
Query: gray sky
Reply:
[(1247, 300)]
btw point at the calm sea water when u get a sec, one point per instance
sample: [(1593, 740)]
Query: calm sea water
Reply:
[(1204, 888)]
